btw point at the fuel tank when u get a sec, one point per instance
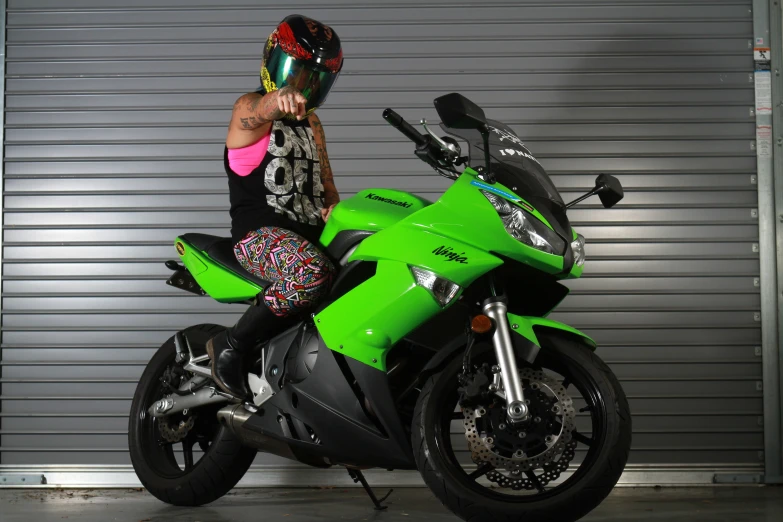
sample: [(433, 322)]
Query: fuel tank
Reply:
[(371, 210)]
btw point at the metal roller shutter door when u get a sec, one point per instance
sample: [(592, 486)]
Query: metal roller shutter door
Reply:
[(115, 116)]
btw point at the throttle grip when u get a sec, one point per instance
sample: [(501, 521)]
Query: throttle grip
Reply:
[(404, 127)]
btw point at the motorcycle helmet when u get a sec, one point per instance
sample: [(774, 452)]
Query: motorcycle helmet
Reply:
[(304, 54)]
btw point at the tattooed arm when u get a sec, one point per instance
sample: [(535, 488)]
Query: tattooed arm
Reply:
[(331, 196), (253, 112)]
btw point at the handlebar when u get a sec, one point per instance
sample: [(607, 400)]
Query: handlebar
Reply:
[(404, 127)]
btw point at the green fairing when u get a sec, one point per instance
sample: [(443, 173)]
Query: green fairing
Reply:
[(222, 285), (525, 326), (372, 317), (371, 209), (465, 215), (366, 322)]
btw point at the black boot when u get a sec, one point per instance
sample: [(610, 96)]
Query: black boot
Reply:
[(230, 349)]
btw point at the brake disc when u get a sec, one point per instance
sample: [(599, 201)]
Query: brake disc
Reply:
[(177, 432), (552, 449)]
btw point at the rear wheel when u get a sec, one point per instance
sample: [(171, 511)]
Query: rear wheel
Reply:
[(185, 460), (556, 466)]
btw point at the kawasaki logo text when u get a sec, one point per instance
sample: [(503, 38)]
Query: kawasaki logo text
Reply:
[(451, 254), (387, 200)]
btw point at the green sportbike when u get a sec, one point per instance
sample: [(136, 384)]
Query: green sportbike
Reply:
[(432, 352)]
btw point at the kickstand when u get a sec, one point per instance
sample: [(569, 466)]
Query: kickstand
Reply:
[(357, 476)]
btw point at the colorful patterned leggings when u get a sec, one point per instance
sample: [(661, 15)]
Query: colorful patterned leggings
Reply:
[(300, 273)]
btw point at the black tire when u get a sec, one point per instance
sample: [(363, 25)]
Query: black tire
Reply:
[(577, 496), (223, 463)]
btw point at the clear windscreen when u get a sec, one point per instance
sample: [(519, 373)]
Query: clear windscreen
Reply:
[(511, 162)]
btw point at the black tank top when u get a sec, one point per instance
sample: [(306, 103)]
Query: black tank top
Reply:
[(285, 190)]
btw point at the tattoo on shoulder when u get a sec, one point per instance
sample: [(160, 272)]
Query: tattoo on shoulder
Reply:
[(250, 122), (246, 109)]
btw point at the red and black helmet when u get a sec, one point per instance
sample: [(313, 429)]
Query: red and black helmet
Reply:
[(304, 54)]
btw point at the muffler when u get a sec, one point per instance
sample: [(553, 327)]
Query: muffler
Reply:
[(176, 403), (234, 416)]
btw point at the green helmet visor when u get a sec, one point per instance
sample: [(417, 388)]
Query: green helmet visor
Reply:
[(286, 70)]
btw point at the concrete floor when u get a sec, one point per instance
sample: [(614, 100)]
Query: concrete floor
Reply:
[(720, 504)]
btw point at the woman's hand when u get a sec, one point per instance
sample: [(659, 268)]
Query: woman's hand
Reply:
[(326, 212), (291, 101)]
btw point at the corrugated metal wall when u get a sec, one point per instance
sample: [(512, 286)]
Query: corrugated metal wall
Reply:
[(116, 113)]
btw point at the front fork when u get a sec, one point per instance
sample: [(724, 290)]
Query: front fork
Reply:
[(497, 310)]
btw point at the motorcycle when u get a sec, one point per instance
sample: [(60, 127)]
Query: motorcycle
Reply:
[(433, 351)]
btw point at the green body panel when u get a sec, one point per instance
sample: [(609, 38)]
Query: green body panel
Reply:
[(524, 326), (371, 209), (465, 215), (367, 321), (457, 238), (221, 284), (408, 243)]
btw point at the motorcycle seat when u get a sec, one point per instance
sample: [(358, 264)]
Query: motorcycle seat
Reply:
[(221, 250)]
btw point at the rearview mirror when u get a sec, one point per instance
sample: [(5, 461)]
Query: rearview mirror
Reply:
[(458, 112), (608, 189)]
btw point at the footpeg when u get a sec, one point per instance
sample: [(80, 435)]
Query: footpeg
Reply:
[(358, 476)]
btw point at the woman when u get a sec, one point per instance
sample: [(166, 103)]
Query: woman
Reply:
[(281, 189)]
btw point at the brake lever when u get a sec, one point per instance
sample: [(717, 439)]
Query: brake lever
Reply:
[(430, 156), (449, 148)]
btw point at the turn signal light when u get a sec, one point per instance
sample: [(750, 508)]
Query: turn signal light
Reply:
[(443, 290), (481, 324)]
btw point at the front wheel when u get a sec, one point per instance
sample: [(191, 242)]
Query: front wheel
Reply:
[(185, 460), (557, 465)]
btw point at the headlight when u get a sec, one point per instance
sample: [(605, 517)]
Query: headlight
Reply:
[(578, 247), (525, 228)]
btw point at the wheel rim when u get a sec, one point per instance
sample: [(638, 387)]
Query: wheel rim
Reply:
[(169, 459), (445, 399)]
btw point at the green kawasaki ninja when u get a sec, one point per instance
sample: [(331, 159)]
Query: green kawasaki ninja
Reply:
[(433, 351)]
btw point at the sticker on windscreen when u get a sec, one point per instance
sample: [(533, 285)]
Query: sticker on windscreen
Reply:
[(495, 190), (512, 197)]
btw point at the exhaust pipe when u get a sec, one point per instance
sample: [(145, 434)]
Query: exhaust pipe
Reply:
[(234, 416), (176, 403)]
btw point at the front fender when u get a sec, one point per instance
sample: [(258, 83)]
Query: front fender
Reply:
[(529, 328), (526, 344)]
